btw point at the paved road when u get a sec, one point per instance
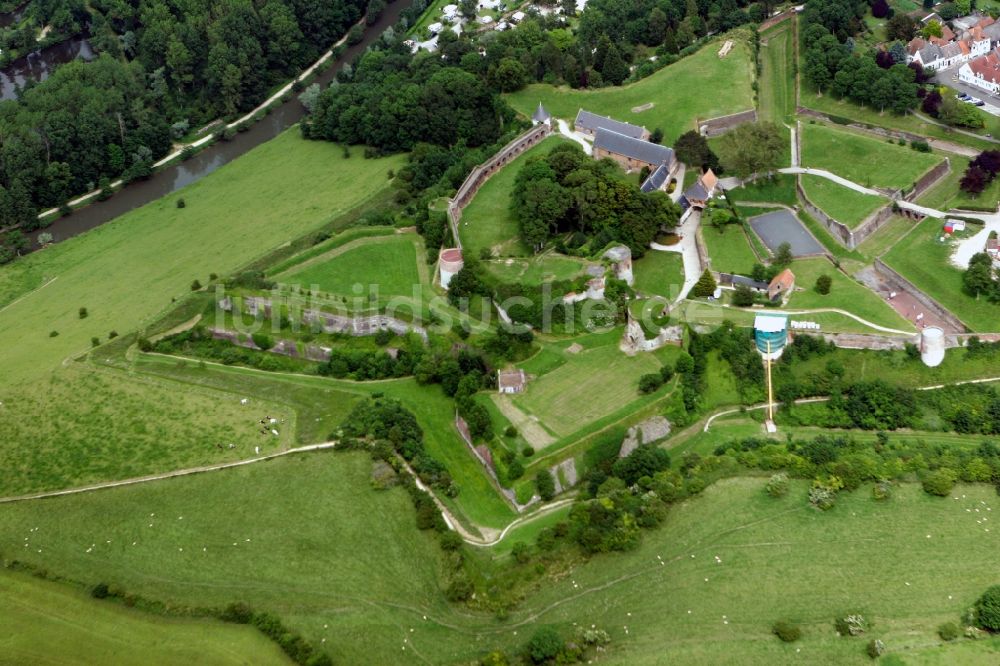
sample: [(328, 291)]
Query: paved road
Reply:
[(574, 136), (944, 77), (688, 250)]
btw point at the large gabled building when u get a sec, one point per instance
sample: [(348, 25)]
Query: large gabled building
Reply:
[(590, 123), (632, 153)]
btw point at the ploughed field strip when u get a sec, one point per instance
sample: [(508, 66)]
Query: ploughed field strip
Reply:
[(783, 227)]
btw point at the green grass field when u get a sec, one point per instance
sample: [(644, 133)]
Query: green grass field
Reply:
[(660, 273), (323, 404), (779, 559), (126, 271), (946, 194), (49, 623), (777, 79), (924, 260), (841, 203), (729, 249), (780, 189), (81, 426), (887, 235), (547, 267), (389, 263), (864, 160), (487, 220), (565, 399), (673, 111), (845, 294)]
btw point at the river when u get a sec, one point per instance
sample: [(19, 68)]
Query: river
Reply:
[(172, 178)]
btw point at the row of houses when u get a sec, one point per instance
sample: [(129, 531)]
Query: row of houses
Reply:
[(976, 36)]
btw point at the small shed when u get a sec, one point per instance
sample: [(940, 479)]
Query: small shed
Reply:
[(782, 284)]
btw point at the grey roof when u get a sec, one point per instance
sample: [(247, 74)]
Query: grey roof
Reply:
[(541, 115), (656, 179), (637, 149), (749, 282), (594, 122), (992, 31), (929, 53), (965, 22), (951, 50), (696, 191)]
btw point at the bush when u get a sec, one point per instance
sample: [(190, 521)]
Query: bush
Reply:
[(53, 334), (83, 313), (949, 631), (786, 631), (99, 591), (823, 284), (852, 624), (988, 609), (545, 485), (515, 470), (545, 644), (181, 203), (195, 285), (95, 342), (876, 648), (451, 540), (528, 451), (920, 146), (743, 296), (521, 552), (882, 490), (777, 485), (939, 482), (650, 382), (510, 431), (460, 589)]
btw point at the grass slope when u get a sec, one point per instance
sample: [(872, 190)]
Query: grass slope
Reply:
[(777, 79), (924, 260), (845, 294), (946, 194), (672, 91), (487, 220), (841, 203), (660, 273), (125, 271), (864, 160), (48, 623), (779, 559), (388, 263)]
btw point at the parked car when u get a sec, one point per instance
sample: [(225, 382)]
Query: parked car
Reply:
[(962, 96), (980, 103)]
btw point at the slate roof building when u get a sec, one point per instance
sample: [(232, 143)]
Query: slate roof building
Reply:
[(511, 381), (657, 179), (632, 153), (782, 285), (702, 189), (589, 123)]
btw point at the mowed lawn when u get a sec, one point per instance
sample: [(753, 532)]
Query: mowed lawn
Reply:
[(487, 220), (924, 260), (82, 426), (129, 269), (49, 623), (591, 385), (678, 92), (729, 248), (887, 235), (388, 263), (777, 78), (537, 270), (866, 161), (841, 203), (845, 294), (659, 273)]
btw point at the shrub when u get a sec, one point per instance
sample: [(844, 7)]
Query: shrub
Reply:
[(852, 624), (822, 498), (650, 382), (876, 648), (451, 540), (515, 470), (545, 644), (53, 334), (95, 342), (528, 451), (99, 591), (460, 589), (263, 340), (145, 345), (939, 482), (988, 609), (882, 490), (823, 284), (83, 313), (510, 431), (545, 485), (920, 146), (743, 296), (195, 285), (949, 631), (777, 485), (181, 203), (521, 552), (786, 631)]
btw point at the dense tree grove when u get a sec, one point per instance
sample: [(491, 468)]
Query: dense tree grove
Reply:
[(567, 191), (163, 69), (980, 172)]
